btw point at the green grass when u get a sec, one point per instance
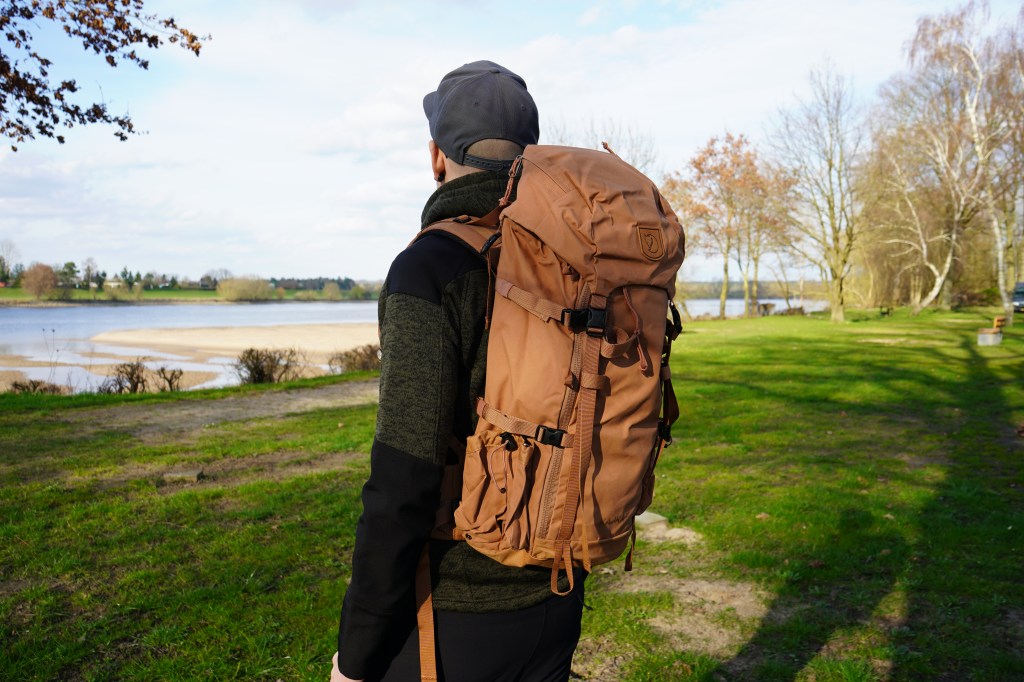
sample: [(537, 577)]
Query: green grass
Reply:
[(109, 575), (863, 481), (868, 477), (8, 293), (19, 295), (16, 404), (187, 295)]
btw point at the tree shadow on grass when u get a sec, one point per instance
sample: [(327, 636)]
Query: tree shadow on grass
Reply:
[(852, 572), (965, 584), (943, 594)]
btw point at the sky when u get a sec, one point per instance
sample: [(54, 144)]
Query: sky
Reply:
[(296, 146)]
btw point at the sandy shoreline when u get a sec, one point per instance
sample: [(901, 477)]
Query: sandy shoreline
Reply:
[(200, 346), (317, 341)]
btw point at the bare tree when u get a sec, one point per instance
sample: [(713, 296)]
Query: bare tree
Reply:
[(954, 42), (89, 268), (818, 142), (8, 254), (929, 174), (1010, 48), (626, 139)]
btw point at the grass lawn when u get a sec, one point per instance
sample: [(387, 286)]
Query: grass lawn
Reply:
[(19, 295), (856, 488), (185, 295)]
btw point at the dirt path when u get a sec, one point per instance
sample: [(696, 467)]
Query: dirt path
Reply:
[(150, 422)]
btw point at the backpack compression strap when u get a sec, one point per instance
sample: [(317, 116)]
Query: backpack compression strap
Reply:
[(588, 352)]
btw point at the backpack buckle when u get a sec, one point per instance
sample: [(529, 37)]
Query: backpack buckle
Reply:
[(591, 319), (665, 432), (549, 436)]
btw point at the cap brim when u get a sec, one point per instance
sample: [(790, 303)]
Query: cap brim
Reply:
[(430, 109)]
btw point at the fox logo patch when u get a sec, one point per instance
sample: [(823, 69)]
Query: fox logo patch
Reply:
[(650, 242)]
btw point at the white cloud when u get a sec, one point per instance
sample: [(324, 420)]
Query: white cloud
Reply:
[(591, 16), (296, 145)]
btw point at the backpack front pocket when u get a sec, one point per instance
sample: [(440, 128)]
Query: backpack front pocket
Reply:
[(499, 471)]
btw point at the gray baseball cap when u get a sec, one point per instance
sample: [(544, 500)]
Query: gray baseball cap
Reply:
[(480, 101)]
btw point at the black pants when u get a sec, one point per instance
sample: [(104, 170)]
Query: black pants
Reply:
[(534, 644)]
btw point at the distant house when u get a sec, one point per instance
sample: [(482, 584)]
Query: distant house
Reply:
[(114, 282)]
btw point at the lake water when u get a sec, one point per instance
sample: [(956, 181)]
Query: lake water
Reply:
[(734, 306), (59, 336)]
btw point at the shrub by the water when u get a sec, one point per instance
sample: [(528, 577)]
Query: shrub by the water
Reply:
[(362, 358), (127, 377), (246, 289), (332, 292), (124, 293), (37, 387), (267, 365), (171, 378)]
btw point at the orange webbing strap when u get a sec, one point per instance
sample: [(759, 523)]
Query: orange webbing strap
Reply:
[(507, 422), (580, 464), (425, 618), (585, 426), (531, 303), (467, 230), (613, 349)]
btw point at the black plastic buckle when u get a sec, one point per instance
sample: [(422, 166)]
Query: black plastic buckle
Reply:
[(549, 436), (676, 323), (665, 432), (510, 442), (591, 319), (489, 243)]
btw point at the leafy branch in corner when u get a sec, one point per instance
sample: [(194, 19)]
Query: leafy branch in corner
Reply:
[(30, 104)]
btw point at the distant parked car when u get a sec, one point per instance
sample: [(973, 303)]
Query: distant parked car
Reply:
[(1018, 298)]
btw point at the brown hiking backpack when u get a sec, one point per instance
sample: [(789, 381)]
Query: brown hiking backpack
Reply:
[(578, 399)]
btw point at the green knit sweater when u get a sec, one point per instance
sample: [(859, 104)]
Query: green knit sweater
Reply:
[(433, 356)]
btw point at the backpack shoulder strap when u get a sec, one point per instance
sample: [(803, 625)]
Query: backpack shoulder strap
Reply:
[(471, 232), (478, 235)]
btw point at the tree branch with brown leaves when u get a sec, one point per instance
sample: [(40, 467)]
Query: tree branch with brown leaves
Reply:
[(30, 104)]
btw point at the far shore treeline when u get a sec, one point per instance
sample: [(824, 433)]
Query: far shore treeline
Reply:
[(73, 283), (251, 289)]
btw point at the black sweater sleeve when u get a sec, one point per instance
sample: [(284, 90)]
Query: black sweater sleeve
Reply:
[(420, 384)]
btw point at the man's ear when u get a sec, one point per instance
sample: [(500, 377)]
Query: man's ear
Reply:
[(437, 159)]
